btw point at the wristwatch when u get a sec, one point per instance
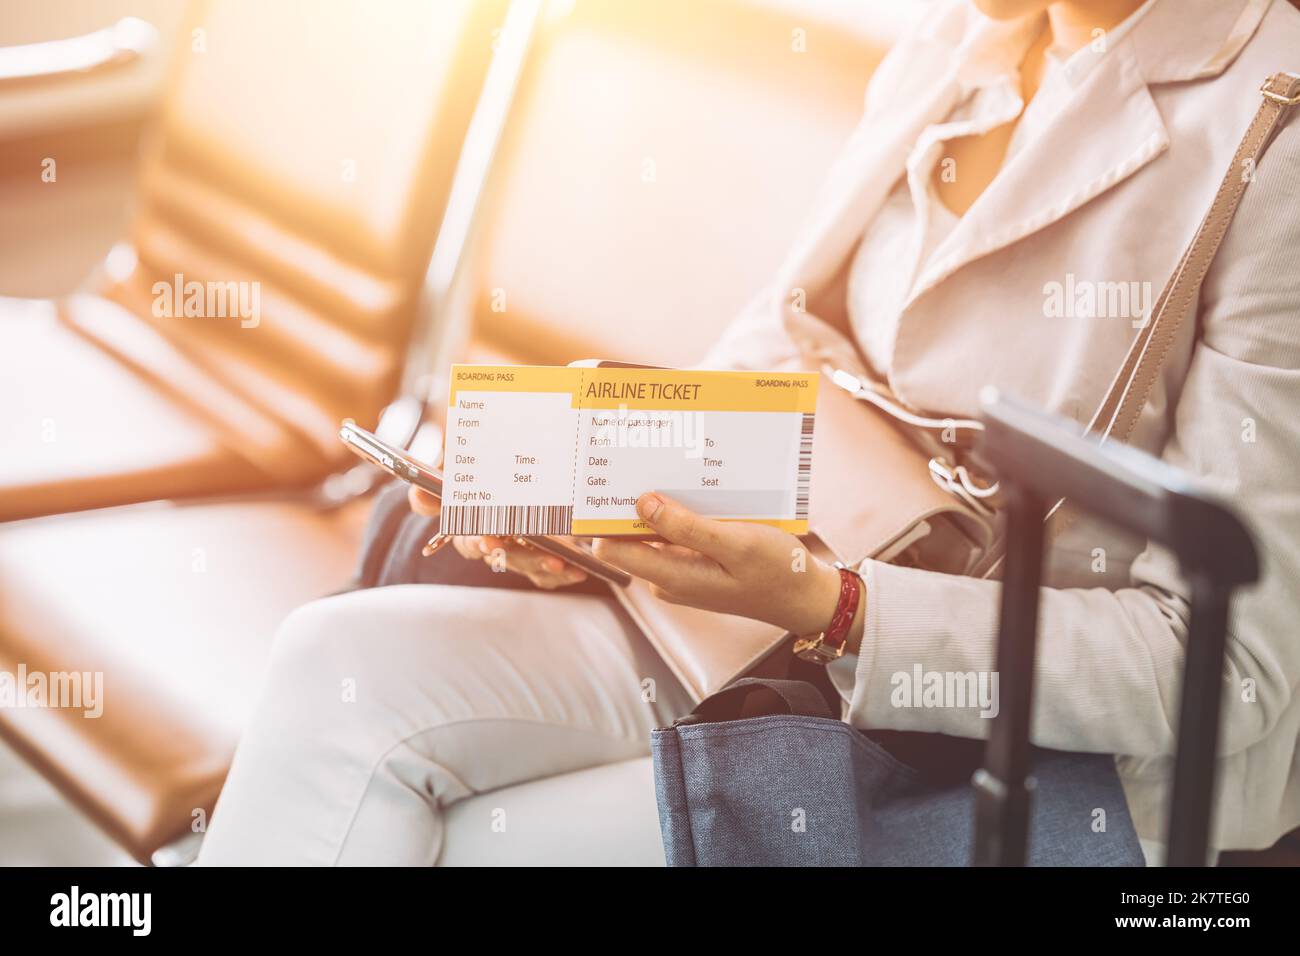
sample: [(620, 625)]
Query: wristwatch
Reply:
[(829, 644)]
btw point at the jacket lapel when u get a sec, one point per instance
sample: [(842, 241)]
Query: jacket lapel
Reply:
[(1106, 130), (919, 84), (873, 159), (1103, 131), (857, 185), (1100, 134)]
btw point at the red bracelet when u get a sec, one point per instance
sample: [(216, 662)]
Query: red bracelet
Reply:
[(846, 608), (829, 644)]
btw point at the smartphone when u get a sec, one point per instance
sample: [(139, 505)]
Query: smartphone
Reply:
[(399, 464)]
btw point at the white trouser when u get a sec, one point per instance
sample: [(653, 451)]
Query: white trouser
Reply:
[(383, 706)]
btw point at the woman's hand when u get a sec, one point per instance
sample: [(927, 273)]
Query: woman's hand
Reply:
[(753, 570), (503, 554)]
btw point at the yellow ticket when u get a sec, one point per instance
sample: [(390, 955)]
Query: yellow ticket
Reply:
[(569, 449)]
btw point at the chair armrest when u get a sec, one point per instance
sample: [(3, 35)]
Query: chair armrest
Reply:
[(111, 48)]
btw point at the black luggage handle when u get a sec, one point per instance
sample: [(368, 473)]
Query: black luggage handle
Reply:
[(1041, 458)]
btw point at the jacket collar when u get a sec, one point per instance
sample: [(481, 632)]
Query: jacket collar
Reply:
[(1052, 175), (1059, 171), (1183, 40), (1173, 41)]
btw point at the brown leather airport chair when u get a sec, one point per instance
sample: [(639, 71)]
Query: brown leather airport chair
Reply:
[(295, 178), (311, 155), (175, 604), (657, 165)]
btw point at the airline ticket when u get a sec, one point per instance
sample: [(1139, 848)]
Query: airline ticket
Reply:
[(569, 449)]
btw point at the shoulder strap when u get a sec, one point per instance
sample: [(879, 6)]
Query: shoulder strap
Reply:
[(1132, 386)]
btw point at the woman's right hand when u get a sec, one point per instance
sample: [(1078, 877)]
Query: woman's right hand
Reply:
[(544, 570)]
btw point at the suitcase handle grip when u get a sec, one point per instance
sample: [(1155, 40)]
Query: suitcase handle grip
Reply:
[(1041, 458)]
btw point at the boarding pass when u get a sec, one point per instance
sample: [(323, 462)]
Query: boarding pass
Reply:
[(536, 450)]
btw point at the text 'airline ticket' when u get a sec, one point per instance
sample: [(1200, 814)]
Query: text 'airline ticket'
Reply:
[(568, 450)]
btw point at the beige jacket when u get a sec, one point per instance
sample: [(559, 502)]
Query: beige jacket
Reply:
[(1109, 192)]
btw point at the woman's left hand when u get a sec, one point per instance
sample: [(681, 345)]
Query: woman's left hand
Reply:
[(736, 567)]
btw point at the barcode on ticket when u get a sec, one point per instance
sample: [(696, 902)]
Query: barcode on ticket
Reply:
[(804, 483), (506, 519)]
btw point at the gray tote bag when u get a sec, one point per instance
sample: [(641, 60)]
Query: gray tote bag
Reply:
[(799, 788)]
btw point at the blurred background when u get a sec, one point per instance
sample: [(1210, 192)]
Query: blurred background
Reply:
[(382, 187)]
